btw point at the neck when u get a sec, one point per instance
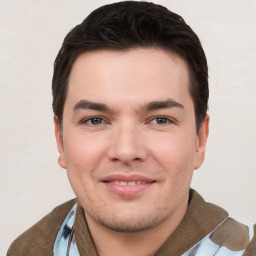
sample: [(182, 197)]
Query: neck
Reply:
[(109, 242)]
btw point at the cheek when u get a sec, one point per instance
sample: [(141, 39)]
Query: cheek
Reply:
[(82, 153), (83, 156), (82, 159), (174, 150), (176, 156)]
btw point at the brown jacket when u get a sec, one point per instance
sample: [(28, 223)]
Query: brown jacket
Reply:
[(201, 218)]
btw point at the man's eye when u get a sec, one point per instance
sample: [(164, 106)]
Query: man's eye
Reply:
[(94, 121), (160, 120)]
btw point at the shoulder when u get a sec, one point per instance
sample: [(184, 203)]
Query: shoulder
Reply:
[(39, 239), (251, 248), (235, 237), (223, 235)]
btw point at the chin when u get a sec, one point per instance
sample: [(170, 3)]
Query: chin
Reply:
[(134, 222)]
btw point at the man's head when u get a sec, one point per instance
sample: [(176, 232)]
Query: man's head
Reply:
[(127, 84), (127, 25)]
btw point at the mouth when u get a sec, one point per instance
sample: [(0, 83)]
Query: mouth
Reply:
[(128, 186), (126, 183)]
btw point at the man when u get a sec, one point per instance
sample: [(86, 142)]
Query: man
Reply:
[(130, 93)]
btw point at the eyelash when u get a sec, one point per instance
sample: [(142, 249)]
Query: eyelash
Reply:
[(100, 120), (167, 120), (86, 121)]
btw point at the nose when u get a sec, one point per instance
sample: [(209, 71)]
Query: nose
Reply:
[(127, 144)]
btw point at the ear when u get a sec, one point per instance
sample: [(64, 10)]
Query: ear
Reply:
[(201, 142), (59, 140)]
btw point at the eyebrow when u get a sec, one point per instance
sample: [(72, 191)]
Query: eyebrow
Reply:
[(85, 104), (151, 106), (155, 105)]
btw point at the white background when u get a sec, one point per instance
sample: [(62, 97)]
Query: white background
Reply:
[(31, 33)]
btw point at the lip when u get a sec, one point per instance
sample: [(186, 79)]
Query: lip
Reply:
[(127, 178), (127, 190)]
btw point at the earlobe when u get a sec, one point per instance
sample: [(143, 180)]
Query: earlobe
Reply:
[(59, 140), (201, 142)]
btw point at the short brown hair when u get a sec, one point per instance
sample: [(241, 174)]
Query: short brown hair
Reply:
[(132, 24)]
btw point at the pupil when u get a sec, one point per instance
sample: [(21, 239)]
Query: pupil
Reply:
[(161, 120), (96, 120)]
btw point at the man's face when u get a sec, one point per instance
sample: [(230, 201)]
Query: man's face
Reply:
[(129, 140)]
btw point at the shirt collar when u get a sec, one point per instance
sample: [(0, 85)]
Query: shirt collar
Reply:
[(200, 219)]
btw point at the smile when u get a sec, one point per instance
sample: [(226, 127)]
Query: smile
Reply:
[(128, 187), (125, 183)]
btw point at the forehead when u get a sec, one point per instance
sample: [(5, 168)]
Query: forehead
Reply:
[(133, 75)]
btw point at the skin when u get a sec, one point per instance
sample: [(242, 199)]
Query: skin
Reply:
[(129, 113)]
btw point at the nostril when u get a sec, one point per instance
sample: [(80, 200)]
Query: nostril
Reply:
[(115, 159)]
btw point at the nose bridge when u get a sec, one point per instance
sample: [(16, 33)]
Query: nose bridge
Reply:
[(127, 143)]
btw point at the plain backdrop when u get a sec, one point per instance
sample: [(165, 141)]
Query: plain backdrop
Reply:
[(31, 33)]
